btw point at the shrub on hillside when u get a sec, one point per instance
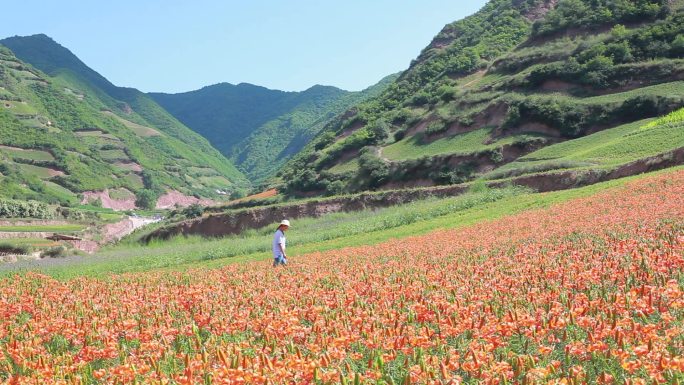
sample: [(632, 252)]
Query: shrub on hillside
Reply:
[(22, 209), (436, 127), (193, 211), (447, 93), (355, 141), (607, 64), (146, 199), (302, 180), (594, 13), (55, 252), (335, 187), (420, 98), (324, 140), (6, 248), (77, 215), (677, 45), (379, 131), (372, 168), (400, 134), (642, 105), (96, 202), (453, 175), (574, 118)]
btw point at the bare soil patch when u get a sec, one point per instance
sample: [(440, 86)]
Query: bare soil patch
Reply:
[(108, 202), (557, 86), (115, 231), (177, 199)]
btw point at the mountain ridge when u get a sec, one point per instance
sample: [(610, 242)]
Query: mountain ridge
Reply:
[(278, 125), (129, 103), (516, 76), (85, 140)]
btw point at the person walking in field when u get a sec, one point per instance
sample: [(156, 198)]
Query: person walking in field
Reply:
[(279, 256)]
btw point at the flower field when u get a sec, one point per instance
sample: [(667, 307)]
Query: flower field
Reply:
[(588, 291)]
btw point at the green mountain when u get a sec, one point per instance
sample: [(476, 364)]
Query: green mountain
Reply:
[(494, 88), (66, 130), (257, 128)]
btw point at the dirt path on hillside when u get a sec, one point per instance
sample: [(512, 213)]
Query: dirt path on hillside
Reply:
[(479, 76)]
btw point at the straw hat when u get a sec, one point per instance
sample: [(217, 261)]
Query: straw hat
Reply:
[(285, 222)]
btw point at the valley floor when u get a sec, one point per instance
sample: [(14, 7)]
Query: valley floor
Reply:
[(330, 232)]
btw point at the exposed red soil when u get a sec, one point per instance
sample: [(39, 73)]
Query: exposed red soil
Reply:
[(408, 184), (262, 195), (492, 116), (115, 231), (557, 86), (420, 127), (234, 222), (347, 156), (541, 10), (350, 130), (175, 198), (108, 202)]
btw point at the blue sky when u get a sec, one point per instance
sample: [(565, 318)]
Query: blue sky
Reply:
[(174, 45)]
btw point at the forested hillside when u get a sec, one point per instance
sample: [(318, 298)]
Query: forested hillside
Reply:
[(513, 78), (63, 135), (257, 128)]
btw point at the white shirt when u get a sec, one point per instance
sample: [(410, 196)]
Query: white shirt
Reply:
[(278, 239)]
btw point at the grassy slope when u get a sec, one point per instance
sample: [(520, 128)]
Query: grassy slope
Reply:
[(604, 149), (415, 147), (260, 129), (225, 113), (273, 143), (608, 148), (549, 85), (180, 145), (55, 122), (326, 233)]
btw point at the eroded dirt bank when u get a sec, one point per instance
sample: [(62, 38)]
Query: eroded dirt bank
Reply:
[(234, 222)]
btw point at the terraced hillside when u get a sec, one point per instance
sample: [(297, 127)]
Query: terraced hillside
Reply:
[(515, 78), (257, 128), (61, 143)]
